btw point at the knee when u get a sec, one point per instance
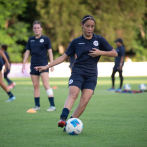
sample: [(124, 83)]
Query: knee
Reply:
[(84, 103), (73, 96), (36, 86), (46, 86)]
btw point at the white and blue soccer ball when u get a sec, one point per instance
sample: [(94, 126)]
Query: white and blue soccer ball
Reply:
[(74, 126), (142, 87), (127, 87)]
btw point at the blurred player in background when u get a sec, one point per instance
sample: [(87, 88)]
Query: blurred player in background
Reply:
[(2, 84), (119, 62), (88, 48), (38, 46), (6, 70)]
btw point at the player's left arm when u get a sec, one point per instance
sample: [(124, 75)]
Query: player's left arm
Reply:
[(51, 57)]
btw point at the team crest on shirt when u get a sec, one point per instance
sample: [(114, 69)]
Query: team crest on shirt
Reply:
[(41, 40), (95, 43), (70, 81)]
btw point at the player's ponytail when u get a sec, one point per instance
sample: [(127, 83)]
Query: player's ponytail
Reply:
[(37, 22), (87, 17)]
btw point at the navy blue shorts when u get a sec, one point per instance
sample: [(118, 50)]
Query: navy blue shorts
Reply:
[(83, 82), (34, 72)]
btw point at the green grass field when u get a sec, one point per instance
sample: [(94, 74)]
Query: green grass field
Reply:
[(110, 119)]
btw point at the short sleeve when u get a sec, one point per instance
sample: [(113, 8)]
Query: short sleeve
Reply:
[(104, 45), (48, 44), (28, 45), (71, 49), (122, 51)]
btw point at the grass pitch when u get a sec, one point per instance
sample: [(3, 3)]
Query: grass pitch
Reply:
[(110, 119)]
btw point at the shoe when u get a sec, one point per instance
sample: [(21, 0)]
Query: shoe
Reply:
[(10, 87), (61, 123), (11, 99), (64, 130), (36, 108), (111, 89), (118, 90), (51, 108)]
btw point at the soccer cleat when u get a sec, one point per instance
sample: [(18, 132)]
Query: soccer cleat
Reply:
[(64, 130), (118, 90), (36, 108), (61, 123), (51, 108), (11, 99), (12, 85), (111, 89)]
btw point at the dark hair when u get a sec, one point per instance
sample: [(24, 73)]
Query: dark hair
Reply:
[(87, 17), (37, 22), (4, 46)]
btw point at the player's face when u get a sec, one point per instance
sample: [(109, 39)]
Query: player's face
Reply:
[(88, 27), (37, 29), (118, 44)]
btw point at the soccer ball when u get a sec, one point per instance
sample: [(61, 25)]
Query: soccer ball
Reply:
[(127, 87), (74, 126), (142, 87)]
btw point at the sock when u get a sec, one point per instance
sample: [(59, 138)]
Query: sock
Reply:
[(65, 113), (37, 101), (10, 94), (71, 117), (51, 100)]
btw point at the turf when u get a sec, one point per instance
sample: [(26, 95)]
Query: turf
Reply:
[(110, 119)]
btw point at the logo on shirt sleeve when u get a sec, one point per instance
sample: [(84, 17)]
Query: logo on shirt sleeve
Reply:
[(41, 40), (95, 43)]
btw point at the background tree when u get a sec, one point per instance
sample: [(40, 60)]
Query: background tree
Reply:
[(12, 31)]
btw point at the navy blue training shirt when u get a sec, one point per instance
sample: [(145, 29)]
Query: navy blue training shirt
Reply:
[(121, 52), (38, 49), (85, 64)]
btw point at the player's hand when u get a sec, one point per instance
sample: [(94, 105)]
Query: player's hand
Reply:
[(95, 52), (52, 69), (23, 68), (41, 68), (8, 65), (120, 67)]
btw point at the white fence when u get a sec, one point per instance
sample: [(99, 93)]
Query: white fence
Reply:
[(104, 69)]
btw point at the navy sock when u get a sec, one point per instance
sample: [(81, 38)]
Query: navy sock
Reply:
[(37, 101), (10, 94), (51, 100), (65, 113)]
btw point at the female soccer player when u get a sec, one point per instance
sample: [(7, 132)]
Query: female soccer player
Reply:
[(2, 84), (6, 70), (88, 48), (119, 62), (38, 46)]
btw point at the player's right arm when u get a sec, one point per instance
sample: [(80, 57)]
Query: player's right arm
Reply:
[(5, 58), (26, 56), (55, 62)]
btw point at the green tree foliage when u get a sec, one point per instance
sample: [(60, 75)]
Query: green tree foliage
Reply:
[(12, 31), (114, 19)]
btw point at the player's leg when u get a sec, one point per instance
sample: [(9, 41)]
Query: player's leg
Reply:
[(121, 78), (6, 77), (49, 91), (72, 97), (35, 81), (2, 84), (85, 97), (113, 80)]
